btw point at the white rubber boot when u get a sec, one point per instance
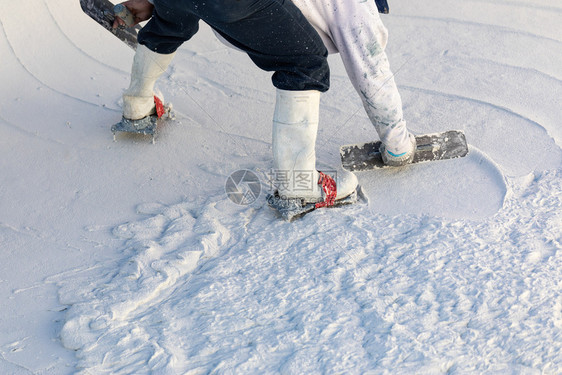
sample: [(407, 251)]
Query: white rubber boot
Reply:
[(295, 123), (138, 99)]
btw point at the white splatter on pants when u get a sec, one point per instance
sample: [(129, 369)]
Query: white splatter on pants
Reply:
[(354, 29)]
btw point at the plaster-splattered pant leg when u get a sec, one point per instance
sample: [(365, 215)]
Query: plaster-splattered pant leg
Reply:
[(355, 30)]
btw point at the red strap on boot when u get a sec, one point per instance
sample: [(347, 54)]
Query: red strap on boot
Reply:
[(330, 190), (160, 110)]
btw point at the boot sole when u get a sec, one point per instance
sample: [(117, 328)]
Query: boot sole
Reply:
[(294, 208)]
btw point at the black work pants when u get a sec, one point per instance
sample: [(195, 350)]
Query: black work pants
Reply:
[(274, 33)]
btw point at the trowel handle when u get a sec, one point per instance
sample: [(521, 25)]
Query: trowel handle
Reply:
[(125, 14)]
